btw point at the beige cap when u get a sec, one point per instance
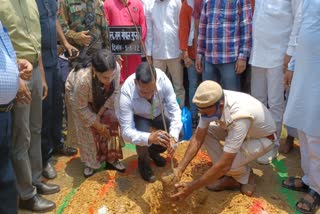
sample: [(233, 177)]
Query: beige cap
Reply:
[(207, 94)]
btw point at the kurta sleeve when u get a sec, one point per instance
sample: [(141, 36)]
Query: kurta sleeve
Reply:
[(297, 18), (82, 91), (113, 99)]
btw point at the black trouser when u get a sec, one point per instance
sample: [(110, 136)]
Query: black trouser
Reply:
[(8, 192), (52, 112), (143, 124)]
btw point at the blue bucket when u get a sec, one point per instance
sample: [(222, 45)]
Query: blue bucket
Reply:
[(186, 120)]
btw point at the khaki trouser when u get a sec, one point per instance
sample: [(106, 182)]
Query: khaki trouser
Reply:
[(27, 122), (175, 70), (250, 150)]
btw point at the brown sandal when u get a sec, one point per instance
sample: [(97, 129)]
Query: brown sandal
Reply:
[(313, 206), (292, 184)]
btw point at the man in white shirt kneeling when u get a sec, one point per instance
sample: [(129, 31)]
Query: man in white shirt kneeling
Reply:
[(140, 110)]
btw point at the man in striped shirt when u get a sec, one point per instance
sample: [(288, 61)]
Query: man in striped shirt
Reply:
[(224, 41)]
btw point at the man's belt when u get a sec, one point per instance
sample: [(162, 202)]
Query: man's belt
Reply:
[(7, 107), (272, 137)]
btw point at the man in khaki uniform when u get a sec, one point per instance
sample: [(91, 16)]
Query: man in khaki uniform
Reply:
[(247, 129), (84, 25)]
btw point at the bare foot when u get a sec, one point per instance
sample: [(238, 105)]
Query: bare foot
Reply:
[(224, 183), (286, 147), (249, 188)]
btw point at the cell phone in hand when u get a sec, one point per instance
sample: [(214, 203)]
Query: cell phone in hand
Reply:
[(74, 53)]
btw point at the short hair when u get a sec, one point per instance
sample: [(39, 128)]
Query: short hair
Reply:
[(143, 73), (103, 60)]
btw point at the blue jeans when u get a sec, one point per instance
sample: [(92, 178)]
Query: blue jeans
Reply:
[(193, 84), (64, 70), (222, 73), (52, 110), (8, 192)]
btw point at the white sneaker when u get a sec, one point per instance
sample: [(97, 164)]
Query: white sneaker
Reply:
[(269, 156), (87, 172), (117, 165)]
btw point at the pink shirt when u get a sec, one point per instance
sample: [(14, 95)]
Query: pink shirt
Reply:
[(117, 14)]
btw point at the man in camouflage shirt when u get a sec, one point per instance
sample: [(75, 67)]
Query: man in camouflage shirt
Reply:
[(84, 25)]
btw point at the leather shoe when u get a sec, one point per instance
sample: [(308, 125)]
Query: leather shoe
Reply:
[(47, 189), (67, 151), (158, 159), (146, 172), (49, 172), (37, 204)]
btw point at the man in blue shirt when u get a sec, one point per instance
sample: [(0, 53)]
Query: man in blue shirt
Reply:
[(9, 84), (25, 34)]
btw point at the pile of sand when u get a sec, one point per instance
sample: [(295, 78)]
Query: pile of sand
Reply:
[(113, 192)]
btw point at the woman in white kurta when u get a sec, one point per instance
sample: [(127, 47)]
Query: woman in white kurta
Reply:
[(303, 108)]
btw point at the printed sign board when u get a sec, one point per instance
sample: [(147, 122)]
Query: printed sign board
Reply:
[(125, 40)]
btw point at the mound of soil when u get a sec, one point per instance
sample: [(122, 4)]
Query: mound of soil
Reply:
[(113, 192)]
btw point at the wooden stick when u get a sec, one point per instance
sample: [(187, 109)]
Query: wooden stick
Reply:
[(153, 77)]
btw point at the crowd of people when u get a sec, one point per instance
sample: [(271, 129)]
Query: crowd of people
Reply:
[(56, 55)]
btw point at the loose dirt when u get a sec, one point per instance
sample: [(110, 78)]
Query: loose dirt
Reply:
[(109, 192)]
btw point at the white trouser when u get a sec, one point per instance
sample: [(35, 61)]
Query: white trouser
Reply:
[(267, 86), (175, 70), (291, 131), (310, 160), (250, 150)]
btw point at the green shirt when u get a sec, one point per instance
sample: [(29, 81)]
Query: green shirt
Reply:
[(21, 18), (72, 17)]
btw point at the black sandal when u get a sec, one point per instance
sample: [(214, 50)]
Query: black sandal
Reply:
[(291, 185), (312, 206)]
